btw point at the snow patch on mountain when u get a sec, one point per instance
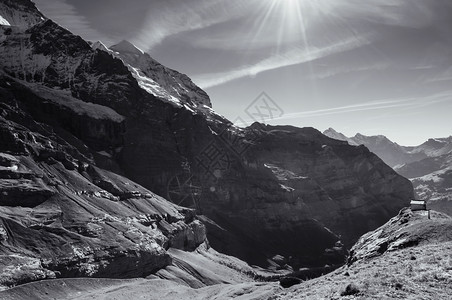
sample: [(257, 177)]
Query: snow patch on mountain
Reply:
[(161, 81), (3, 21), (151, 86), (100, 46)]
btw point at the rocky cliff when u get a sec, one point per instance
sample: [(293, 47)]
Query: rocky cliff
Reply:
[(84, 142), (60, 215)]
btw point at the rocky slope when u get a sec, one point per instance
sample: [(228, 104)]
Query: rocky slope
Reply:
[(83, 139)]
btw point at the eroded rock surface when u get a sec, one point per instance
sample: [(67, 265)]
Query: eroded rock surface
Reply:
[(62, 216)]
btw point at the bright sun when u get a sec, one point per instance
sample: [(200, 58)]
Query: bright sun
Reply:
[(289, 2)]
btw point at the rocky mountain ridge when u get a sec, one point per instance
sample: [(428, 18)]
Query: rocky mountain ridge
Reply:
[(391, 153)]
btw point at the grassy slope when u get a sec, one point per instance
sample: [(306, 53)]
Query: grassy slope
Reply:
[(410, 257), (394, 275)]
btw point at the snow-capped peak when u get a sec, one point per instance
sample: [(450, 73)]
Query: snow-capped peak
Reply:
[(159, 80), (127, 47)]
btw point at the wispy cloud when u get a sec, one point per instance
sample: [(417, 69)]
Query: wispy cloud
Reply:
[(168, 18), (334, 71), (373, 105), (388, 104), (291, 57), (67, 16), (258, 26)]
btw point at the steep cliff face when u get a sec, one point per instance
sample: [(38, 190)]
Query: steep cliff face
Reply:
[(61, 216), (299, 183), (263, 190)]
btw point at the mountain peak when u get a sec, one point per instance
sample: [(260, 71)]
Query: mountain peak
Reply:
[(100, 46), (330, 130), (126, 47), (360, 136)]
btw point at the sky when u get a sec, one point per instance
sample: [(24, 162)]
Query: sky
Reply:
[(374, 66)]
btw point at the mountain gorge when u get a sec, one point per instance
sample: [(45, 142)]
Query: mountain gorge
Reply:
[(107, 169)]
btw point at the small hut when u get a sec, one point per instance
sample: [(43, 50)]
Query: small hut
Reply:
[(418, 205)]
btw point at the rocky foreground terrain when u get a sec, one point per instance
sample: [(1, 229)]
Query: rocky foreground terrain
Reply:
[(107, 171), (410, 257)]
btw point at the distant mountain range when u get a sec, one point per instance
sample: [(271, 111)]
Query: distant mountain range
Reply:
[(428, 166)]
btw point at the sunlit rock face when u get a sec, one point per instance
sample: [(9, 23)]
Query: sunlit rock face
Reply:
[(20, 13), (85, 146), (61, 216)]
